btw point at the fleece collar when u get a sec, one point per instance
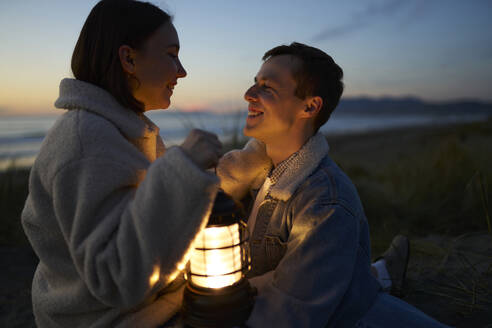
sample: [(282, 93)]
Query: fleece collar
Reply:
[(76, 94), (306, 161)]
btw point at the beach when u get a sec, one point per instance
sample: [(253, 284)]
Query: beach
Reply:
[(431, 183)]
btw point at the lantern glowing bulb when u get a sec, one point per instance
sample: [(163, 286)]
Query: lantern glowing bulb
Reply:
[(217, 293), (216, 260)]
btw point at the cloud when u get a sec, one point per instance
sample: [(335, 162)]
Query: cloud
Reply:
[(369, 15), (339, 31)]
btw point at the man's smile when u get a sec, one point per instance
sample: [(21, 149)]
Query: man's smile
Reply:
[(253, 112)]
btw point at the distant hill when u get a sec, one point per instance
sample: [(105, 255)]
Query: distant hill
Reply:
[(410, 105)]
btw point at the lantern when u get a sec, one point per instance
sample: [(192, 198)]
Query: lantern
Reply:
[(217, 293)]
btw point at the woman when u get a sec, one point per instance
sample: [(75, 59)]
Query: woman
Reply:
[(108, 211)]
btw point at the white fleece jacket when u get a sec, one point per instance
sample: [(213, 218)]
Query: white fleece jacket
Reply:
[(109, 219), (241, 170)]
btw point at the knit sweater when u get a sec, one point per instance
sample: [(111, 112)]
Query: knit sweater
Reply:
[(110, 219)]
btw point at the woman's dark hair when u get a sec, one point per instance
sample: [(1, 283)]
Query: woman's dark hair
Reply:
[(111, 24), (318, 75)]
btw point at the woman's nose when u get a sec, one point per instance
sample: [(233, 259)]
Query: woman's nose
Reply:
[(181, 70)]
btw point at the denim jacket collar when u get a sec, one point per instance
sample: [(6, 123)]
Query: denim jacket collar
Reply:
[(306, 161)]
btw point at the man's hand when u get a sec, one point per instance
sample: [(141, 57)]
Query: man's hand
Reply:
[(203, 148)]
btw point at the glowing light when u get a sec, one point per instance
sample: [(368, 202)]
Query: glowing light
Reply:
[(216, 261), (154, 278)]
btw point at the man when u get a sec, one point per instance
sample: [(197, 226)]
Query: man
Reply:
[(309, 235)]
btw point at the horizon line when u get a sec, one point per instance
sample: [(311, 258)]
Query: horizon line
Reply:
[(11, 113)]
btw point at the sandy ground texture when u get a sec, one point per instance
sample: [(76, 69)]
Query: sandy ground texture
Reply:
[(451, 279), (448, 278)]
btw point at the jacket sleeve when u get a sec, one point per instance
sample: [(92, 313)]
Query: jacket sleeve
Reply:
[(310, 281), (127, 238)]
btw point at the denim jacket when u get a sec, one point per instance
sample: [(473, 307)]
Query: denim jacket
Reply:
[(310, 246)]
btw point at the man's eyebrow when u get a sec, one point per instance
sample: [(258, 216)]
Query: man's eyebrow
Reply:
[(173, 45), (266, 79)]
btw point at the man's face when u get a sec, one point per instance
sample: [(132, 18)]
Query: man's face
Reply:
[(273, 106)]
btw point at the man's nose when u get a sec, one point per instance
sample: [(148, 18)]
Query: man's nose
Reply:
[(250, 94)]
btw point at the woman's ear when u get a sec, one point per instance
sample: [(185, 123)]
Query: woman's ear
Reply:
[(313, 106), (127, 59)]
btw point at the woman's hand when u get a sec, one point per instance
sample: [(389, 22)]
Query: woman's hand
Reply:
[(204, 148)]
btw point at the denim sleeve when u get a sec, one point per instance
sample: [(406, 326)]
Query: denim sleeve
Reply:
[(311, 279)]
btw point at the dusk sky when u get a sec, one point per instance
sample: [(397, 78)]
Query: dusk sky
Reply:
[(435, 49)]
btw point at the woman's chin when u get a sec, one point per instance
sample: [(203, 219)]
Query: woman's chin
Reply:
[(163, 105)]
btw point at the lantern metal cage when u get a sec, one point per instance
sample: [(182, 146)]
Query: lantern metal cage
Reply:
[(217, 293)]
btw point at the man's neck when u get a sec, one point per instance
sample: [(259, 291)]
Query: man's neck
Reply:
[(282, 148)]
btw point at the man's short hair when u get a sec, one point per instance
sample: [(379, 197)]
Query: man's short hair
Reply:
[(318, 75)]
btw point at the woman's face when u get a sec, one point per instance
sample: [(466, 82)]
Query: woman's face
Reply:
[(157, 68)]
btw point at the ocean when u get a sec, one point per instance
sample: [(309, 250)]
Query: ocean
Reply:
[(21, 136)]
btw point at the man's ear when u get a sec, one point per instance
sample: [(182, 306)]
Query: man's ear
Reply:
[(127, 59), (313, 106)]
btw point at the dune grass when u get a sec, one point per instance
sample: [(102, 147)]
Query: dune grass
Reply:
[(438, 185), (432, 185), (13, 193), (451, 278)]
